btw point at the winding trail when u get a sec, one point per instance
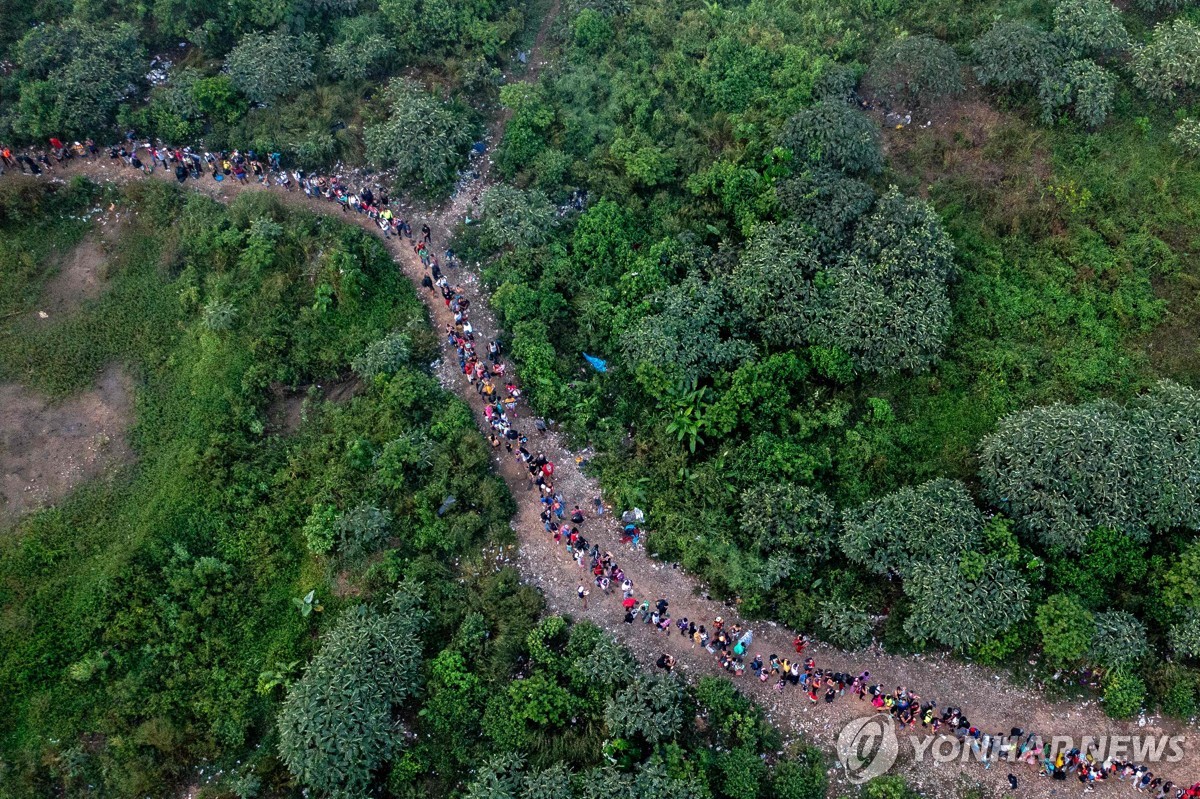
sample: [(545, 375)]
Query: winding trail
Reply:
[(987, 697)]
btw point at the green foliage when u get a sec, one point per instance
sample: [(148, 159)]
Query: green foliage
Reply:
[(1184, 638), (1085, 86), (1014, 53), (959, 607), (1066, 627), (886, 305), (515, 218), (361, 50), (828, 204), (1124, 694), (336, 724), (773, 284), (269, 67), (1186, 136), (650, 709), (1087, 28), (844, 625), (1064, 470), (834, 134), (320, 528), (801, 776), (384, 357), (73, 75), (1119, 639), (1169, 63), (899, 531), (914, 71), (423, 138)]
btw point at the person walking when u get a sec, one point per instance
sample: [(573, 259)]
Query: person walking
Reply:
[(583, 595)]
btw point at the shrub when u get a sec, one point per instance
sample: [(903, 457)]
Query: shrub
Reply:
[(1066, 627), (1089, 28), (914, 70), (835, 134), (1170, 63), (1014, 53), (320, 528), (1184, 638), (515, 218), (75, 74), (1124, 694), (650, 708), (959, 606), (1186, 136), (383, 357), (844, 624), (896, 532), (269, 67), (801, 776), (1119, 639), (337, 724), (423, 138)]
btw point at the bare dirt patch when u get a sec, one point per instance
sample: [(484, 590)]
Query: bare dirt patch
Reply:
[(81, 276), (48, 448), (285, 413), (995, 162)]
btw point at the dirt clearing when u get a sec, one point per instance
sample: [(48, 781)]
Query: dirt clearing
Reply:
[(48, 448), (80, 277)]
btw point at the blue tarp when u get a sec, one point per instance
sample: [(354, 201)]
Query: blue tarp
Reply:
[(597, 364)]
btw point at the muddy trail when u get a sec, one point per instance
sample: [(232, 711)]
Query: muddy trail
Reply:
[(989, 698)]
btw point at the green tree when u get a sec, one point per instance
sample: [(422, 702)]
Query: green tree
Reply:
[(898, 531), (1085, 86), (1118, 640), (688, 329), (361, 49), (963, 601), (72, 77), (1014, 54), (828, 204), (800, 776), (424, 139), (1186, 136), (1124, 694), (1061, 471), (650, 708), (1180, 584), (336, 725), (844, 624), (1169, 63), (773, 284), (383, 357), (886, 304), (788, 517), (1066, 627), (270, 67), (834, 134), (515, 218), (913, 71), (1089, 28), (1184, 637)]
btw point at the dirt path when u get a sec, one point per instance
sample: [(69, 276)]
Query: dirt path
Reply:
[(987, 697)]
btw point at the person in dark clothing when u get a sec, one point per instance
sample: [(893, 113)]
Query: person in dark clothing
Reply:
[(427, 283)]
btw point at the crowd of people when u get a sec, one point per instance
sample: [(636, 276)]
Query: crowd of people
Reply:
[(244, 167), (487, 373)]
